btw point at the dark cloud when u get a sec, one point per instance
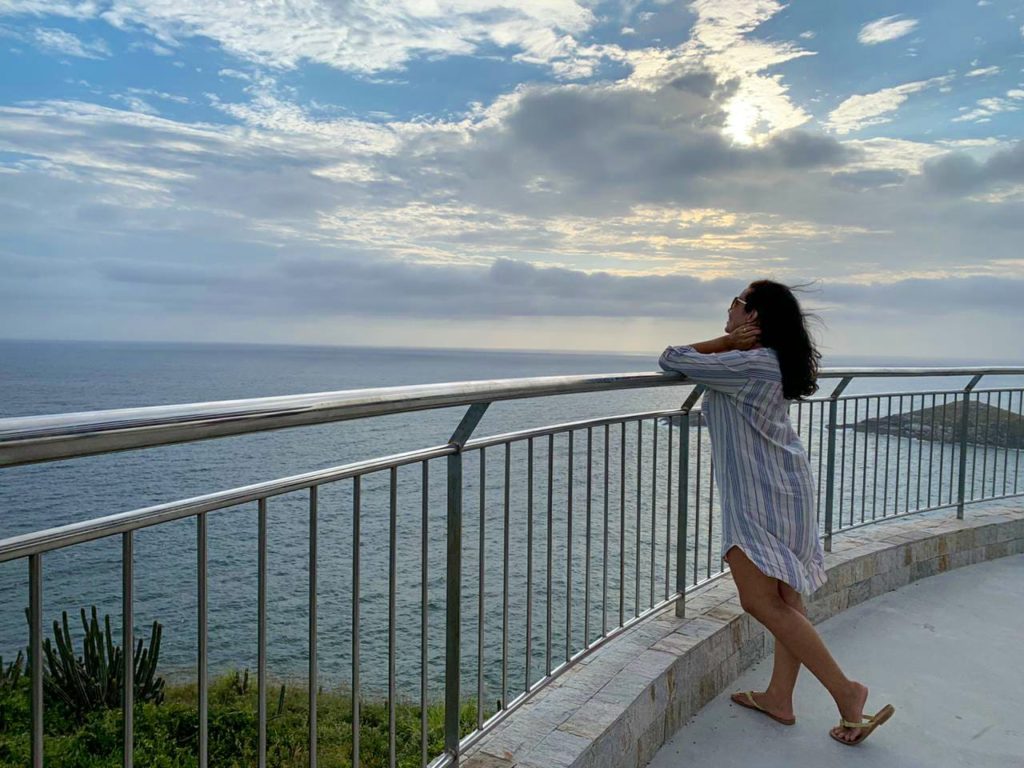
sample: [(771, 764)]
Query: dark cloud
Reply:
[(857, 181), (594, 151), (326, 288), (958, 173)]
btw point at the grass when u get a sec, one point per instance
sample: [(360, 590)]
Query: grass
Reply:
[(166, 734)]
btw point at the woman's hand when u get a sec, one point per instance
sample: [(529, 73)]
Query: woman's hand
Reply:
[(744, 337)]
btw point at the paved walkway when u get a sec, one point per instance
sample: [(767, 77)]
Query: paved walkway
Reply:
[(947, 651)]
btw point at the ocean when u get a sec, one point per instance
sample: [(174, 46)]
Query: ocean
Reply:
[(60, 377)]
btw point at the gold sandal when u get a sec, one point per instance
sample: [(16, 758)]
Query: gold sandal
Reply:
[(869, 724), (746, 699)]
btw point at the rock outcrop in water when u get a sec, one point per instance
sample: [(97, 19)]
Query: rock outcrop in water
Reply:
[(986, 424)]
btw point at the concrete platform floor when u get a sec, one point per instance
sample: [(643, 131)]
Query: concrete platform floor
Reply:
[(946, 651)]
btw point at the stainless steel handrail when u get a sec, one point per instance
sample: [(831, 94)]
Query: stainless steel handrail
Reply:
[(33, 439)]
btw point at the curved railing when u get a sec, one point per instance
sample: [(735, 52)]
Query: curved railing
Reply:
[(872, 453)]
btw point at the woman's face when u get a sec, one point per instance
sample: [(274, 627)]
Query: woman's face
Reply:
[(738, 314)]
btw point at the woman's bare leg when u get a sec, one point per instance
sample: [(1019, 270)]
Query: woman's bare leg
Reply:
[(786, 666), (778, 699), (760, 597)]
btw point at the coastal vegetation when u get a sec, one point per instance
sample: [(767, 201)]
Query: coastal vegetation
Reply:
[(83, 723)]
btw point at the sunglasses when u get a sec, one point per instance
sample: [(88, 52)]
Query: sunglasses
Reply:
[(737, 300)]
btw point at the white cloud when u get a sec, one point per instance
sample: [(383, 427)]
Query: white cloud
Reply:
[(984, 72), (863, 110), (366, 36), (58, 41), (808, 35), (85, 9), (991, 106), (721, 42), (885, 29), (135, 104)]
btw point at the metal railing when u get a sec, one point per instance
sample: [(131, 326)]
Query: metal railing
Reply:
[(632, 466)]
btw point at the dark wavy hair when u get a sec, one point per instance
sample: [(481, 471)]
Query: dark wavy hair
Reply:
[(784, 328)]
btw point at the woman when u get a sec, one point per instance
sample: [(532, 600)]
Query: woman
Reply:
[(769, 533)]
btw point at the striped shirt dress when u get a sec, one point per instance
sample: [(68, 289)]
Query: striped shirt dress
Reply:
[(761, 468)]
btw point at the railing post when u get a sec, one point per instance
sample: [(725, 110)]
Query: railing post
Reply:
[(453, 582), (830, 477), (963, 447), (684, 498)]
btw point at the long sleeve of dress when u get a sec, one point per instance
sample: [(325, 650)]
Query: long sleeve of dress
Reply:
[(726, 372)]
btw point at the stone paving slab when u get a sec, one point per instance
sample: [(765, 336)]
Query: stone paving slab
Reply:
[(945, 651)]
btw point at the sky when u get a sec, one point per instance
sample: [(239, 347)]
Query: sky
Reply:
[(556, 174)]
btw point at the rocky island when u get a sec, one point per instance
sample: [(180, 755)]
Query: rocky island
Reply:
[(986, 424)]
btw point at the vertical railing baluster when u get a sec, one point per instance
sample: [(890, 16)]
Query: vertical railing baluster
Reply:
[(622, 525), (453, 581), (529, 561), (128, 649), (668, 511), (711, 512), (888, 448), (604, 558), (202, 670), (985, 444), (480, 592), (1016, 458), (964, 421), (586, 593), (696, 498), (313, 671), (505, 575), (1006, 448), (392, 615), (931, 448), (261, 635), (864, 462), (833, 404), (995, 456), (942, 448), (899, 465), (654, 501), (453, 616), (977, 442), (639, 504), (875, 458), (957, 417), (568, 545), (821, 458), (356, 520), (842, 468), (424, 607), (35, 660), (550, 553), (909, 457), (683, 509)]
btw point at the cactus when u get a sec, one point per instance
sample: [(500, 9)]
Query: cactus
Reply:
[(11, 673), (95, 679), (10, 681)]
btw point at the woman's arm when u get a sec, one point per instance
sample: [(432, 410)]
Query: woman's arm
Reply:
[(744, 337), (717, 363)]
